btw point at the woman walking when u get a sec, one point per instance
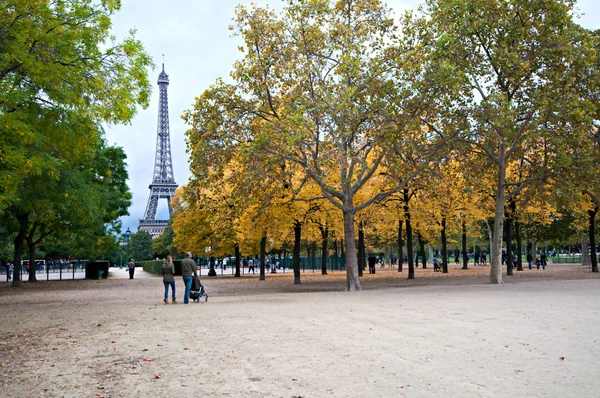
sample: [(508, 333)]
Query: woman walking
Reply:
[(168, 269)]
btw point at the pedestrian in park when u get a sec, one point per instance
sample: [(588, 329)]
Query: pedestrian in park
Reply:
[(436, 266), (529, 260), (131, 266), (251, 265), (372, 261), (188, 268), (167, 271), (483, 258), (543, 260)]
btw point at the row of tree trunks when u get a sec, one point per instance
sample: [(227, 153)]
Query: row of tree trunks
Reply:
[(296, 259), (238, 259), (263, 254), (361, 250), (464, 245), (444, 247), (592, 230), (409, 241), (509, 253), (400, 246), (19, 242), (422, 250), (519, 246), (324, 237)]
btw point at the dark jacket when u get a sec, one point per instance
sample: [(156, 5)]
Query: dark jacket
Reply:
[(167, 272), (188, 267)]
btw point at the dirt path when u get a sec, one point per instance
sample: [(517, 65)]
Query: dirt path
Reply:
[(439, 335)]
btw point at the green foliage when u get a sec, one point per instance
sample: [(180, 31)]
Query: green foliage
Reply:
[(140, 246), (61, 76), (163, 246)]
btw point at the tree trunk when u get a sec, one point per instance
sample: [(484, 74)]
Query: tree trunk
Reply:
[(18, 243), (238, 258), (519, 246), (592, 214), (31, 244), (585, 253), (490, 238), (335, 248), (314, 254), (509, 253), (361, 250), (496, 267), (464, 246), (297, 239), (263, 248), (324, 237), (444, 247), (409, 242), (400, 245), (422, 250), (534, 250), (353, 282)]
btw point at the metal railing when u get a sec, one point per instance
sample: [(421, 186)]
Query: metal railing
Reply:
[(51, 271)]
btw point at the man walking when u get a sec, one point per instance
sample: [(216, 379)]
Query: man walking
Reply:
[(188, 268), (131, 266)]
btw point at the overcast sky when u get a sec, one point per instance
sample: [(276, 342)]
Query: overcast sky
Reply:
[(198, 48)]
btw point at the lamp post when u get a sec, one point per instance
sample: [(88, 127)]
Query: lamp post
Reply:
[(126, 239), (120, 253)]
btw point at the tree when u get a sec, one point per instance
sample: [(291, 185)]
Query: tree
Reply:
[(57, 58), (163, 244), (59, 80), (141, 246), (511, 73), (310, 90)]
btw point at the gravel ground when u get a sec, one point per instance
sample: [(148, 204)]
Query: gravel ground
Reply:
[(438, 335)]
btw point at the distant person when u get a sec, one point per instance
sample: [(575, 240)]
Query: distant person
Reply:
[(543, 260), (188, 268), (372, 260), (251, 265), (131, 266), (483, 258), (529, 260), (457, 257), (167, 271), (436, 265)]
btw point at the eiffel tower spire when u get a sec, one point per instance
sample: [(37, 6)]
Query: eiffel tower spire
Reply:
[(163, 184)]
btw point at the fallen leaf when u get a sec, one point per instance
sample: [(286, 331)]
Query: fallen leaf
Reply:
[(157, 376), (186, 348), (562, 358)]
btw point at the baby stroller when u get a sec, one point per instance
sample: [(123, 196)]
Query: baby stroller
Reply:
[(197, 290)]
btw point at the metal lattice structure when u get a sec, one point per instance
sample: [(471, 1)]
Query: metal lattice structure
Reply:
[(163, 184)]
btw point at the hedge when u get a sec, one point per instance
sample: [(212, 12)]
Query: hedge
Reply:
[(155, 266)]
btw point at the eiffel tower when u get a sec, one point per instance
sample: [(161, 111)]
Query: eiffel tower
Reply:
[(163, 183)]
